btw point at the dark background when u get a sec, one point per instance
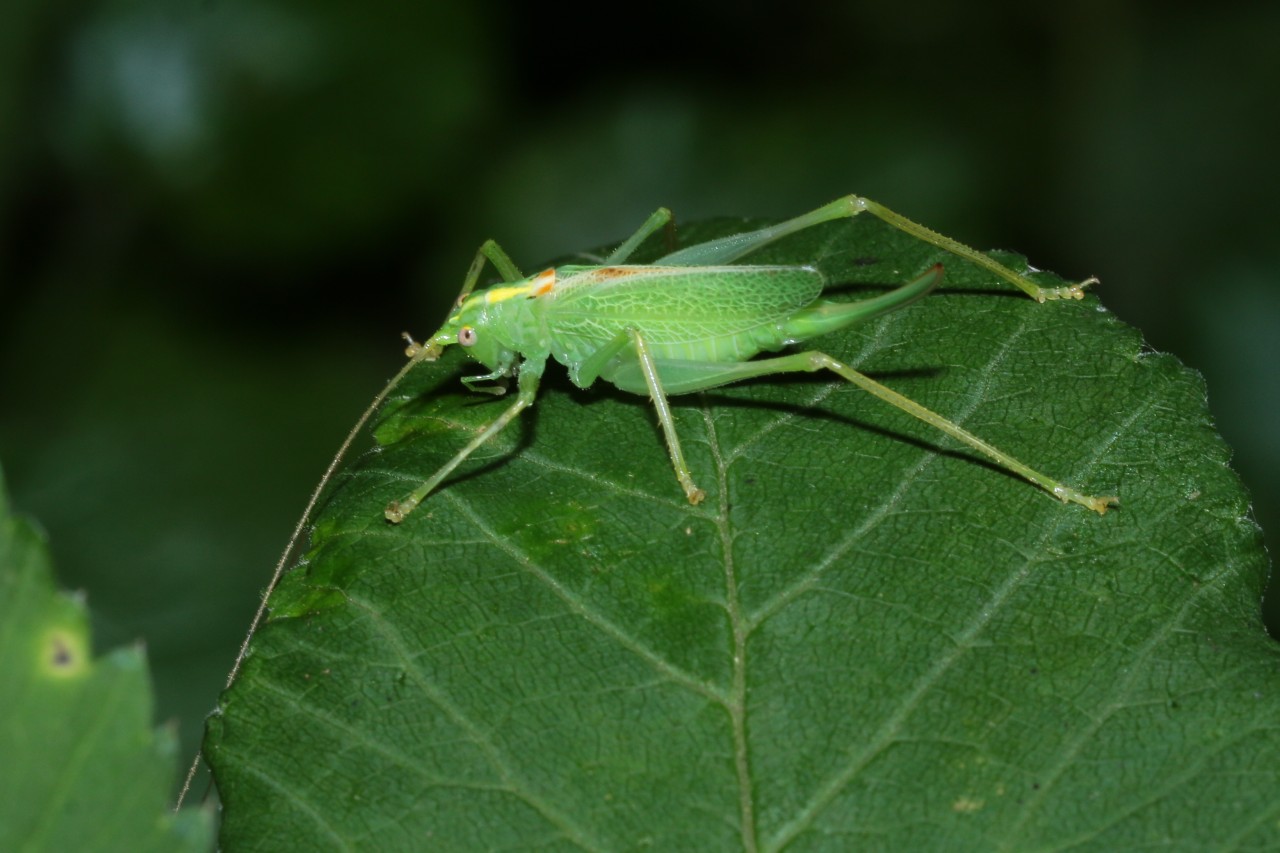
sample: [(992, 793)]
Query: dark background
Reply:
[(216, 218)]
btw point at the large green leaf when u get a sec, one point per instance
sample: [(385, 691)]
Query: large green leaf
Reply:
[(80, 766), (865, 637)]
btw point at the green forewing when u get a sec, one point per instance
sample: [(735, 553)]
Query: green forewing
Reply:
[(696, 313)]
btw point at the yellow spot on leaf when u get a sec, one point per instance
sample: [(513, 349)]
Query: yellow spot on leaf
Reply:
[(64, 653)]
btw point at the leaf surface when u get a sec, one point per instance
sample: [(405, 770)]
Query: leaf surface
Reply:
[(866, 637)]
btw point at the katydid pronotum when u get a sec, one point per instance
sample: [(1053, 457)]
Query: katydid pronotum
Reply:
[(691, 321)]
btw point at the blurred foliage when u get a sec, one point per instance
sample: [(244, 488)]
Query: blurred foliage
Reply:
[(216, 217), (83, 767)]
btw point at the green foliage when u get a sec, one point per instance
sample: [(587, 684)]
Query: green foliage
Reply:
[(863, 638), (82, 768)]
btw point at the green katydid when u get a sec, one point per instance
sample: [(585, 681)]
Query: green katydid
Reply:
[(691, 321)]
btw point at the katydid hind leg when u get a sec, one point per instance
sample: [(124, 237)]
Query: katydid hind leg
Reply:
[(813, 361), (687, 377), (825, 316), (955, 247), (728, 249)]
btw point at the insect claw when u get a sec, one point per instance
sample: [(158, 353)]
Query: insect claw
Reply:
[(1071, 291), (693, 493), (1066, 494), (1076, 291), (1101, 505)]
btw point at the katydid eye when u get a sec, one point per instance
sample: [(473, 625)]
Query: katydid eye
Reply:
[(467, 336)]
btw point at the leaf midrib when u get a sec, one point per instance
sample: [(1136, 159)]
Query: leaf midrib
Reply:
[(740, 630)]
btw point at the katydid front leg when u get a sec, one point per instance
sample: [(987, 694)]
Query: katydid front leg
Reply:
[(529, 377)]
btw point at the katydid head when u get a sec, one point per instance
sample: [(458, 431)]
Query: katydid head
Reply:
[(469, 327)]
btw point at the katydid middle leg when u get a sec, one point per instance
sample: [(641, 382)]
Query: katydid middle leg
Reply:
[(649, 369), (593, 366)]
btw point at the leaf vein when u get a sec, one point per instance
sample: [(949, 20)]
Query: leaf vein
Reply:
[(518, 786), (578, 606)]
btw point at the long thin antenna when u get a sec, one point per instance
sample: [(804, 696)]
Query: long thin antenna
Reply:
[(416, 354)]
